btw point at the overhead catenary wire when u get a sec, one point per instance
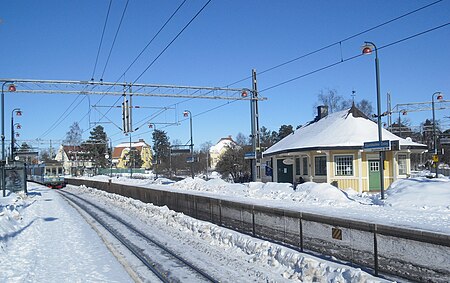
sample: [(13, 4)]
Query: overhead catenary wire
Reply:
[(338, 42), (148, 44), (331, 65), (314, 52), (115, 37), (340, 61), (355, 56), (159, 55), (101, 40)]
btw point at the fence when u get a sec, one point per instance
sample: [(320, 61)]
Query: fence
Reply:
[(402, 252)]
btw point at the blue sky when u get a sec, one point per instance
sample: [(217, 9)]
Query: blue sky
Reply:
[(59, 40)]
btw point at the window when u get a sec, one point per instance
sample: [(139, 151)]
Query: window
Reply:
[(343, 165), (402, 164), (297, 166), (305, 165), (374, 166), (320, 165)]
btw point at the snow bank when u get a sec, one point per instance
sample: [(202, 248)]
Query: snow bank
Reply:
[(422, 193)]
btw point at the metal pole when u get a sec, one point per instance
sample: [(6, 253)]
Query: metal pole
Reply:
[(12, 135), (380, 135), (111, 157), (367, 49), (3, 185), (131, 166), (434, 132), (3, 120), (192, 146)]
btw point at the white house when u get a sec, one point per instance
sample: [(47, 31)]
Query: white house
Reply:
[(216, 151)]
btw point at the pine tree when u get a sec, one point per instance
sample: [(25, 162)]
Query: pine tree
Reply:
[(97, 146), (161, 148)]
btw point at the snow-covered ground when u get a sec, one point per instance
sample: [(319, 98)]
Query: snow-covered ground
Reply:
[(43, 239)]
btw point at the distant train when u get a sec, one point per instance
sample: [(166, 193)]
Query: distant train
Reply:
[(50, 174)]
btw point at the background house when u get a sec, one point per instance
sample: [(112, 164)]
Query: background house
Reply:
[(216, 151), (75, 159), (331, 149), (120, 155)]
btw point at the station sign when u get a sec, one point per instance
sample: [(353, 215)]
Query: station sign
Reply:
[(377, 146), (191, 159), (180, 150), (250, 155), (444, 140)]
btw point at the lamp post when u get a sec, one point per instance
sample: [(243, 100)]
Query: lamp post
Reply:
[(185, 114), (368, 48), (18, 113), (11, 88), (439, 97)]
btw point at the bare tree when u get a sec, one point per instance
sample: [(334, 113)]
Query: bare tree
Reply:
[(73, 136)]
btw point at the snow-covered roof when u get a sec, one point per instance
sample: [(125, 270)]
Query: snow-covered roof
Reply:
[(133, 144), (345, 129)]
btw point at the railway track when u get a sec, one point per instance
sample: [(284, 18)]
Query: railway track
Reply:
[(161, 261)]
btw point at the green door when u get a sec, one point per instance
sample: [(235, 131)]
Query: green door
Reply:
[(285, 172), (374, 175)]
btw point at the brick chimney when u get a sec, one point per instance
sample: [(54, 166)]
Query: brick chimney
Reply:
[(322, 111)]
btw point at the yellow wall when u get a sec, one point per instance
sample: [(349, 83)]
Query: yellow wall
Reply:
[(360, 171), (146, 156)]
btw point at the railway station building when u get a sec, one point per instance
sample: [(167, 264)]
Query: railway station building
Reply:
[(331, 149)]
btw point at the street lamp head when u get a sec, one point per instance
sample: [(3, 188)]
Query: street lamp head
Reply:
[(368, 48), (440, 97), (244, 94), (186, 113), (11, 88)]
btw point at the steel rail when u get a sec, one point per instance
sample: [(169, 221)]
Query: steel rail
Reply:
[(161, 274)]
